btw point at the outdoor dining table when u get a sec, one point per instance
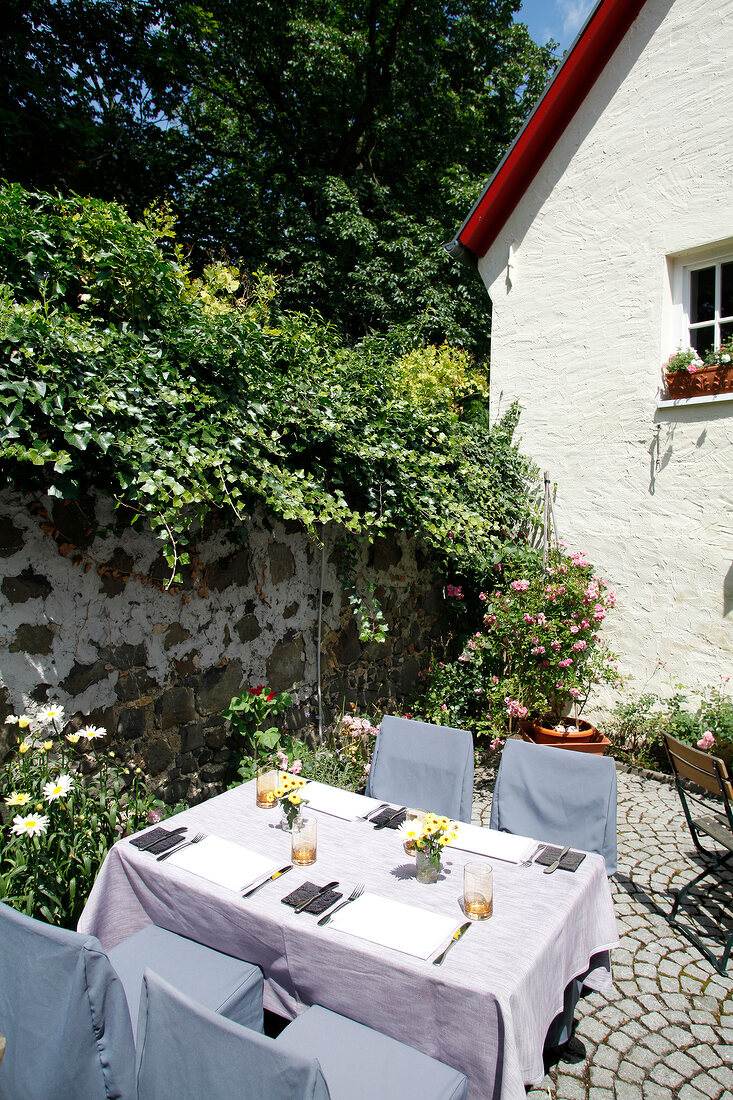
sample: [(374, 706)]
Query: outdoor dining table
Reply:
[(484, 1011)]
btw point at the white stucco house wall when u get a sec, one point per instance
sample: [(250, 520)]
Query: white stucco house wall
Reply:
[(602, 231)]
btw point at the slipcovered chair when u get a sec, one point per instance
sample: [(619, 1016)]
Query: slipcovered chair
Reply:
[(186, 1050), (64, 1008), (423, 766), (559, 796), (562, 797)]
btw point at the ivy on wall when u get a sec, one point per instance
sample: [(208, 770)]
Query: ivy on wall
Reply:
[(178, 396)]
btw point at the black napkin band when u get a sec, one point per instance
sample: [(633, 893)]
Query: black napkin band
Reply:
[(307, 890), (385, 815), (571, 861), (163, 843)]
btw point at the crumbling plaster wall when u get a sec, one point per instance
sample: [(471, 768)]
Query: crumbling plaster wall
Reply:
[(87, 622)]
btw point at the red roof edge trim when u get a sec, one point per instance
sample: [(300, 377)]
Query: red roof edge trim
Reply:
[(561, 99)]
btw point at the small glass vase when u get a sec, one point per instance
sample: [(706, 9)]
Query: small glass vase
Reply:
[(426, 871), (289, 820)]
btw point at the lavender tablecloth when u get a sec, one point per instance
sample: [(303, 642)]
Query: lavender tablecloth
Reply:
[(485, 1011)]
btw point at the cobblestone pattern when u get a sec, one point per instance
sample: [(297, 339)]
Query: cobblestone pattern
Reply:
[(666, 1030)]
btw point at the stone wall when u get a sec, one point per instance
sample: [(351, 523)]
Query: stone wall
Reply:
[(87, 622)]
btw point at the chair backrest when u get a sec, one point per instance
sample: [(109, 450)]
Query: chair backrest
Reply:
[(184, 1049), (559, 796), (64, 1014), (706, 771), (423, 766)]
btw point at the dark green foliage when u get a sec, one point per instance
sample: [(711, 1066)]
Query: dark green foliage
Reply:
[(337, 144), (177, 398)]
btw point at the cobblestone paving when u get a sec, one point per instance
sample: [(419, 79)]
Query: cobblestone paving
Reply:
[(666, 1030)]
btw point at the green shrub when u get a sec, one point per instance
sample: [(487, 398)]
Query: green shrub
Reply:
[(180, 397), (701, 719)]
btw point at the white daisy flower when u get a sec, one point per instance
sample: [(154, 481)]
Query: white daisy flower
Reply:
[(57, 788), (33, 825), (409, 830), (54, 713), (12, 720), (18, 798), (93, 732)]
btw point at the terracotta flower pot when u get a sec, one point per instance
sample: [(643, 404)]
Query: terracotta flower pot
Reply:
[(705, 381), (585, 739)]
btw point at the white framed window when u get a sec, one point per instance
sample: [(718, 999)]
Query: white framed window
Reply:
[(707, 303)]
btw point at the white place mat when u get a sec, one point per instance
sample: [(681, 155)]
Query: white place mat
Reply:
[(338, 803), (396, 925), (224, 863), (491, 842)]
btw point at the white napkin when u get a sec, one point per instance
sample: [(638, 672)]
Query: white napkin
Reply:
[(338, 803), (224, 863), (394, 924), (491, 842)]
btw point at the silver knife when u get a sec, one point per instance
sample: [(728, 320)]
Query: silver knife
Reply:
[(276, 874), (324, 890), (385, 823), (556, 862), (456, 937)]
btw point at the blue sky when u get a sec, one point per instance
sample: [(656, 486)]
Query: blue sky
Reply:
[(558, 19)]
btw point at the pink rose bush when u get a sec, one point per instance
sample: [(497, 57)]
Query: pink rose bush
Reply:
[(539, 650)]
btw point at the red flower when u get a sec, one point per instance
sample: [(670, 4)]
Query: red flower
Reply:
[(257, 690), (270, 696)]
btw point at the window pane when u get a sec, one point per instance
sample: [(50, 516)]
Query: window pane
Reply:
[(702, 295), (726, 290), (702, 340), (726, 332)]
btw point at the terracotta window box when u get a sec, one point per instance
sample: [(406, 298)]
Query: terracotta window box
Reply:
[(705, 381)]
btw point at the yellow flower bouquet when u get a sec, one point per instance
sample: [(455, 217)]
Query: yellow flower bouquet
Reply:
[(289, 797), (428, 836)]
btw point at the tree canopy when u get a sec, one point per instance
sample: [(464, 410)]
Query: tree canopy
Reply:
[(335, 143)]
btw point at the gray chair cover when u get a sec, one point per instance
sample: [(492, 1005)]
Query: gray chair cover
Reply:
[(423, 766), (559, 796), (184, 1050), (220, 982), (362, 1064), (562, 797), (64, 1015)]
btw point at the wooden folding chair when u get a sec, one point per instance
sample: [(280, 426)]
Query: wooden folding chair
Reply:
[(709, 773)]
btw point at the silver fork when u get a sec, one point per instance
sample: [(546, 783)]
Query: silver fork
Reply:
[(355, 893), (374, 810), (178, 847), (530, 859)]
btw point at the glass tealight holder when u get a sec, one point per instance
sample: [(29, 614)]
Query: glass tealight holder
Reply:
[(303, 841), (410, 816), (268, 781), (478, 891)]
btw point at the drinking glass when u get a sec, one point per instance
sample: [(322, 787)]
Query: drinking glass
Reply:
[(478, 891), (410, 816), (268, 781), (303, 843)]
